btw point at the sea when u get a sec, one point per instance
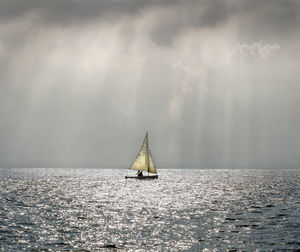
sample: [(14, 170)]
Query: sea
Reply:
[(44, 209)]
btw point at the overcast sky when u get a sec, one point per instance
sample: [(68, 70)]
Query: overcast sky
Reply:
[(216, 83)]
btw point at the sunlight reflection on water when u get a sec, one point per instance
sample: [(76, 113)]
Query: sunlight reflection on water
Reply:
[(184, 210)]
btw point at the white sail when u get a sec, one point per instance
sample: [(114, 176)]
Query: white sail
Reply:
[(151, 164), (141, 162), (144, 161)]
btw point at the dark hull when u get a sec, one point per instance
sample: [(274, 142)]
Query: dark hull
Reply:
[(144, 177)]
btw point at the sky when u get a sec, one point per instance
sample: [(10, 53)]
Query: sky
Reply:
[(215, 83)]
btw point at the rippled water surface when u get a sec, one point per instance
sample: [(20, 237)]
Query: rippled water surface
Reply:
[(184, 210)]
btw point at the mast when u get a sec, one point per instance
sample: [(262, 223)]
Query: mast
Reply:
[(147, 153)]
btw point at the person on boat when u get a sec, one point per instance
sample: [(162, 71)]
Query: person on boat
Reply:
[(140, 174)]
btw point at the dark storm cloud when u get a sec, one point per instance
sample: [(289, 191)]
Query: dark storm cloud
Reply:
[(266, 19), (269, 20), (75, 11)]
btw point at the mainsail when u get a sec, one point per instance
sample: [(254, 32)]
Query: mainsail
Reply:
[(144, 161)]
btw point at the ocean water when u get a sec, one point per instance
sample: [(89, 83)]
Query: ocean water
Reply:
[(184, 210)]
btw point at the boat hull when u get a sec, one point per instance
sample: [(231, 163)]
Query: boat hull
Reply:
[(143, 177)]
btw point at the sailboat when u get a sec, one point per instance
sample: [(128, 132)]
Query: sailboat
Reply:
[(144, 162)]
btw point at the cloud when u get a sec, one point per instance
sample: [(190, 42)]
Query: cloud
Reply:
[(265, 20), (81, 82), (246, 52)]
